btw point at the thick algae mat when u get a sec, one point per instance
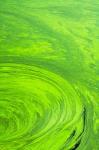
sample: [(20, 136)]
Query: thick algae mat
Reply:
[(49, 75)]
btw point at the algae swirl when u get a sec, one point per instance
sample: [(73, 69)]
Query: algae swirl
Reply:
[(49, 75)]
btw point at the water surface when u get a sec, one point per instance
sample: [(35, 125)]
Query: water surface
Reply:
[(49, 75)]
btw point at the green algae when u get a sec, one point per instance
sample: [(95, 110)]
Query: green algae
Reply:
[(49, 75)]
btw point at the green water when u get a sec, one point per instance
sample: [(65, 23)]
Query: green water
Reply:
[(49, 75)]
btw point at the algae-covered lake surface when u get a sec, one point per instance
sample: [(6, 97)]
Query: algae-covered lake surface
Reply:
[(49, 74)]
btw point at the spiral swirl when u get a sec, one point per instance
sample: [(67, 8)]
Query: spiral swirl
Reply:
[(37, 106)]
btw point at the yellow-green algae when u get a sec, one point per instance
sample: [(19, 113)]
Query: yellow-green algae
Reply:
[(49, 75)]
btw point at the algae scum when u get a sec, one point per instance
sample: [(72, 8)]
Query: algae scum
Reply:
[(49, 75)]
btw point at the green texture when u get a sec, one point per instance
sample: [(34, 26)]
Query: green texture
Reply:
[(49, 74)]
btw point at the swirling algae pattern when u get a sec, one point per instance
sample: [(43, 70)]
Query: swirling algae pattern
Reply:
[(49, 75)]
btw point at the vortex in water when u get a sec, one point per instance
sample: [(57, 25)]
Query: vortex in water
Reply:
[(38, 109)]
